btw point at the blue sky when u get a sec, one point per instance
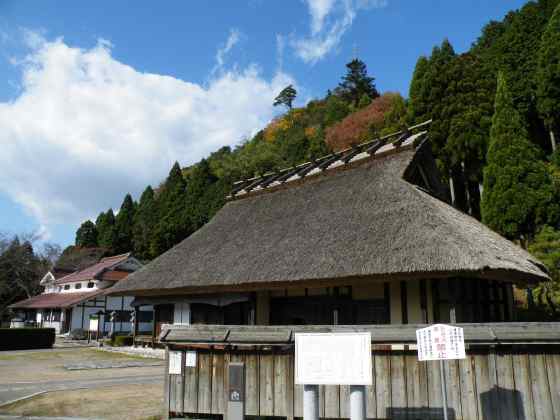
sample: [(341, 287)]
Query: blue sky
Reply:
[(99, 98)]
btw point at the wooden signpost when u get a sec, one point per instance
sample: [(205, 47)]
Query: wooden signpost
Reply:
[(441, 342)]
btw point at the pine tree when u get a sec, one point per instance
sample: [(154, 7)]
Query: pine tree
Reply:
[(107, 236), (143, 225), (86, 235), (548, 76), (123, 226), (286, 97), (357, 83), (172, 226), (518, 189)]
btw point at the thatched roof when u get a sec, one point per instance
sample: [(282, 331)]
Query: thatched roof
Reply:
[(362, 220)]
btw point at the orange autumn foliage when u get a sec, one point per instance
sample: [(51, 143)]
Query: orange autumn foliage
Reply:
[(358, 126)]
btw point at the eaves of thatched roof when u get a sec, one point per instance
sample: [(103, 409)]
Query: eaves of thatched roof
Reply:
[(360, 221)]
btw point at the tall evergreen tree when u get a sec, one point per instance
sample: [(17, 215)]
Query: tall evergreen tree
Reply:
[(143, 226), (518, 191), (86, 235), (107, 236), (123, 226), (432, 97), (518, 58), (204, 195), (172, 226), (357, 83), (469, 127), (417, 109), (548, 76)]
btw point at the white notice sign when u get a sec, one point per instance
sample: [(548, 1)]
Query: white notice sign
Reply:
[(175, 367), (333, 359), (190, 359), (440, 342), (93, 324)]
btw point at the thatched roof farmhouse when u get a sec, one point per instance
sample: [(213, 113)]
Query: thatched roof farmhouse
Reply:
[(372, 223)]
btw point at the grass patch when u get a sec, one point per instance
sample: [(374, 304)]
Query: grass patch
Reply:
[(115, 402)]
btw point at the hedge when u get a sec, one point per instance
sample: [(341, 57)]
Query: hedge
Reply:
[(26, 338), (122, 340)]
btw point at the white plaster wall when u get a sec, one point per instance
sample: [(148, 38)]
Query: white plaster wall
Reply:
[(414, 307), (77, 317), (53, 324)]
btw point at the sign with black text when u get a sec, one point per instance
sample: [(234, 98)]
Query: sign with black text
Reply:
[(333, 359)]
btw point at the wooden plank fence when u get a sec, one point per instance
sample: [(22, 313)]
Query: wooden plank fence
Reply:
[(493, 382)]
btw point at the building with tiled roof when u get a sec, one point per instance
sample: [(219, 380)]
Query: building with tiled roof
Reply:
[(70, 298)]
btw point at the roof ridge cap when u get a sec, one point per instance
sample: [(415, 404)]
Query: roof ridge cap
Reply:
[(126, 254), (374, 149)]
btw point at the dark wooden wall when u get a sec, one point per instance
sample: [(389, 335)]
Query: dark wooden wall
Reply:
[(509, 383)]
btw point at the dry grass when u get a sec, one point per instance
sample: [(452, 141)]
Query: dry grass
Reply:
[(86, 353), (131, 402)]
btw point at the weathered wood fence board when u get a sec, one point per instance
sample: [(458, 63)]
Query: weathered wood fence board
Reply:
[(510, 383)]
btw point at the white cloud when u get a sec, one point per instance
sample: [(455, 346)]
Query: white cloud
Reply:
[(319, 9), (330, 19), (233, 38), (86, 128)]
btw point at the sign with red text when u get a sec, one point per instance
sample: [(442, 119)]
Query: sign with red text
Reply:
[(440, 342)]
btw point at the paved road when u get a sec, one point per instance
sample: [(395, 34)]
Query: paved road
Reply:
[(10, 392)]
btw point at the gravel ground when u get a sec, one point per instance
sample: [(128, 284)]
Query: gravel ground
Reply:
[(137, 351), (24, 373)]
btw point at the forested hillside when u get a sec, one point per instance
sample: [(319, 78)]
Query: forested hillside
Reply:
[(495, 111)]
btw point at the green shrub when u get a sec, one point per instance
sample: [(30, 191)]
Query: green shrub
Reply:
[(122, 340), (26, 338)]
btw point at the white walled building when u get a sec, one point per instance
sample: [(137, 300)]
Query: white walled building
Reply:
[(68, 301)]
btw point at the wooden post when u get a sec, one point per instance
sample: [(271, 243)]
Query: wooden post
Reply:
[(154, 324), (135, 328), (451, 291), (166, 385)]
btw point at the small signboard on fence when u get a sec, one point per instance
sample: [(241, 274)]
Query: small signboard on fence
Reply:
[(175, 366), (440, 342), (190, 359), (333, 359)]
